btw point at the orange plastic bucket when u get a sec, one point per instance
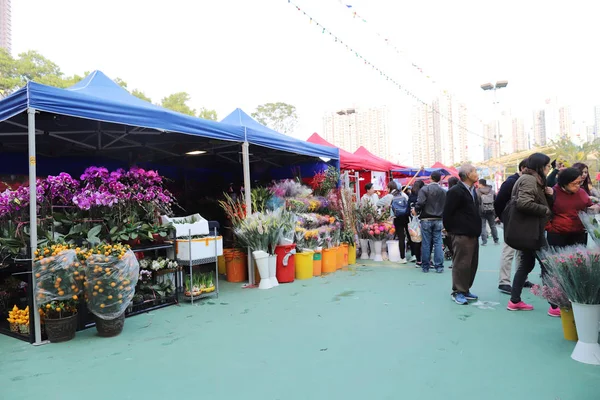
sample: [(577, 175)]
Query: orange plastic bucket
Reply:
[(329, 261), (317, 260), (344, 248), (339, 258), (235, 265)]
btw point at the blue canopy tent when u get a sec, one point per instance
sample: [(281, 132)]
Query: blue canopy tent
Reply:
[(261, 135), (417, 172), (98, 117)]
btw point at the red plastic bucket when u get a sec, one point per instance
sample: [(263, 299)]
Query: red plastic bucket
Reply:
[(286, 264)]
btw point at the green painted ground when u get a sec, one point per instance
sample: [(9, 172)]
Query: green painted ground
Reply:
[(375, 332)]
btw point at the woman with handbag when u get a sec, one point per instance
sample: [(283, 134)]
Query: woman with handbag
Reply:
[(526, 216)]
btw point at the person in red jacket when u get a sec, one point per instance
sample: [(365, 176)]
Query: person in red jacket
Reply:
[(565, 227)]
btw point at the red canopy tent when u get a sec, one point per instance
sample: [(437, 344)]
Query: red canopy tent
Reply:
[(356, 162), (367, 155), (349, 160), (452, 170)]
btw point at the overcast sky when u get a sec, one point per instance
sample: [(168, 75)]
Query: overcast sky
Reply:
[(241, 53)]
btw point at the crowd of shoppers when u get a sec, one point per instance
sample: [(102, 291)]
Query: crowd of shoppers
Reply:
[(547, 205)]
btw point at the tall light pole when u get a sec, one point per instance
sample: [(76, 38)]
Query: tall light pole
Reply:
[(494, 88)]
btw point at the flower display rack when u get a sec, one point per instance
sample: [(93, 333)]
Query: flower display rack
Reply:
[(22, 298)]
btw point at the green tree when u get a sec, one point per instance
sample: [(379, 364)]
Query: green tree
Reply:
[(9, 77), (141, 95), (120, 82), (178, 102), (572, 153), (280, 117), (208, 114)]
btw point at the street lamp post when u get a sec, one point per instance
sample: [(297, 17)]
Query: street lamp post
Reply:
[(494, 88)]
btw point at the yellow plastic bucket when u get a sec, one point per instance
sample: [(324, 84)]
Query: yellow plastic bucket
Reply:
[(568, 323), (222, 265), (304, 265), (329, 260), (351, 254)]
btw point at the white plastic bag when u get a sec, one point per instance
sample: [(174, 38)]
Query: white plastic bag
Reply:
[(414, 229)]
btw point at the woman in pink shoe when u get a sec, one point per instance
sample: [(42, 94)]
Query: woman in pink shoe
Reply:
[(533, 199), (565, 227)]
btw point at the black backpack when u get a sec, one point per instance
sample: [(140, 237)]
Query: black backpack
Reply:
[(400, 206)]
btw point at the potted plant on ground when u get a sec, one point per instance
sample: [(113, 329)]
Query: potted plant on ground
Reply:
[(112, 273), (253, 233), (59, 274), (577, 272)]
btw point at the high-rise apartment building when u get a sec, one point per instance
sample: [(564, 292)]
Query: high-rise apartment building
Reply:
[(597, 121), (439, 132), (351, 128), (551, 116), (491, 146), (565, 122), (461, 153), (519, 138), (539, 128), (5, 25)]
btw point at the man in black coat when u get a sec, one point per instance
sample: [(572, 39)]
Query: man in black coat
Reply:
[(508, 253), (462, 221)]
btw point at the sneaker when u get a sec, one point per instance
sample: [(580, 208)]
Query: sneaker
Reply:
[(459, 298), (471, 296), (402, 261), (439, 270), (496, 243), (418, 264), (484, 244), (520, 306), (528, 284), (413, 259), (425, 270), (506, 289), (554, 312)]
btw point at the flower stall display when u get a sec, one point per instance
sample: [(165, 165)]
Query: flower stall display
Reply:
[(122, 206), (577, 272), (60, 275), (199, 284), (112, 272), (19, 320), (253, 233)]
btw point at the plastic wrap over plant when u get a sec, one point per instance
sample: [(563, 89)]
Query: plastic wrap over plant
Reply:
[(59, 277), (111, 282)]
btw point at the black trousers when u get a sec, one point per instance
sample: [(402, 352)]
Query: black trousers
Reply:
[(526, 265), (401, 226), (567, 239)]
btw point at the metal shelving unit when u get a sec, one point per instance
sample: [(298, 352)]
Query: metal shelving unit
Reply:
[(202, 261)]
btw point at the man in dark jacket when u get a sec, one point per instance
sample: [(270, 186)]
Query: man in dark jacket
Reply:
[(508, 253), (430, 204), (462, 221)]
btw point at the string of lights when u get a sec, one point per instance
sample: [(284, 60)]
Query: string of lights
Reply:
[(393, 47), (382, 73)]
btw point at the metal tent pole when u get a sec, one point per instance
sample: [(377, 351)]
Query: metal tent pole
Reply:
[(248, 199), (33, 219)]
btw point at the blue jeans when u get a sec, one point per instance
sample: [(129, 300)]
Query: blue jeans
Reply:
[(431, 234)]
